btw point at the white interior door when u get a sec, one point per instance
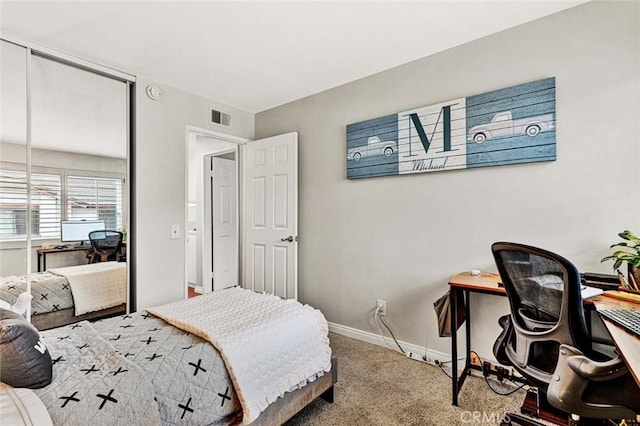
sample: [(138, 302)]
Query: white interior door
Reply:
[(270, 211), (224, 223)]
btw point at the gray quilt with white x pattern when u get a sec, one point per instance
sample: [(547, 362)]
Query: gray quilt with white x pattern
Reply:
[(92, 384), (50, 292), (188, 374), (182, 376)]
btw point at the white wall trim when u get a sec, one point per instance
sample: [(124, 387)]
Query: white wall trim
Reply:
[(217, 135), (375, 339)]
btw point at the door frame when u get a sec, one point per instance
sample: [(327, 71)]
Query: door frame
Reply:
[(193, 132)]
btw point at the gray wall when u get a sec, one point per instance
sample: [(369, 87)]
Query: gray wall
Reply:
[(161, 185), (401, 238)]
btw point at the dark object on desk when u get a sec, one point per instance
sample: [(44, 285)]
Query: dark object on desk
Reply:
[(105, 243), (442, 307), (546, 338), (602, 281)]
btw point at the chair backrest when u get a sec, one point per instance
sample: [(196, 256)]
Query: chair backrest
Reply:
[(546, 308), (106, 242)]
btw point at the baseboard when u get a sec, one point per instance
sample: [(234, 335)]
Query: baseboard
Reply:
[(376, 339)]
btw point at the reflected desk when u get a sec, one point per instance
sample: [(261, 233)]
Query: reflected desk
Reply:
[(461, 285), (42, 254)]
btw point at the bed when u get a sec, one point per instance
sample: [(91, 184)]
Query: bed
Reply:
[(67, 295), (225, 358)]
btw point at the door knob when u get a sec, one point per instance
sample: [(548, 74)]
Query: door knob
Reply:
[(290, 239)]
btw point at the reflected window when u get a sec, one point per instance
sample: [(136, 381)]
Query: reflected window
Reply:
[(95, 199), (87, 198), (45, 205)]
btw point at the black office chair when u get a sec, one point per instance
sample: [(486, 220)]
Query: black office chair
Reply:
[(546, 338), (105, 244)]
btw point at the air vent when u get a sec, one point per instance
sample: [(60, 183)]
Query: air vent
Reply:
[(220, 118)]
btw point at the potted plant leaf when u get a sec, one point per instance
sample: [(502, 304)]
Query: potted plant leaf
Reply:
[(627, 251)]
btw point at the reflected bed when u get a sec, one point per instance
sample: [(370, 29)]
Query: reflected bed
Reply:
[(66, 295)]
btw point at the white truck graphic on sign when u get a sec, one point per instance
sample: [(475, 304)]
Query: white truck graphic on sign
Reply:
[(374, 147), (503, 125)]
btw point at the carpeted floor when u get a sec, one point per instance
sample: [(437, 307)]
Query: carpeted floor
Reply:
[(378, 386)]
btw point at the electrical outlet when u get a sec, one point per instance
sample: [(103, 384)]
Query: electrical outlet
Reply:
[(381, 307)]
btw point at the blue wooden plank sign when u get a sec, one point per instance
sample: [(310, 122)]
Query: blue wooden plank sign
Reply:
[(507, 126)]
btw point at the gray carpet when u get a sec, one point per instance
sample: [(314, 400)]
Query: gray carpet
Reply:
[(378, 386)]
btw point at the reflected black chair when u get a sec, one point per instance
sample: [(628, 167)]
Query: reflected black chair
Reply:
[(546, 339), (105, 244)]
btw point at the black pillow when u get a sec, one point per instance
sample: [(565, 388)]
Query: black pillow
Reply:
[(26, 362)]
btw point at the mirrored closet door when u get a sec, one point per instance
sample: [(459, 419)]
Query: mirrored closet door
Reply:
[(14, 202), (64, 209)]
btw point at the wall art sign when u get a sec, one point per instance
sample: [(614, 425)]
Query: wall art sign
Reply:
[(507, 126)]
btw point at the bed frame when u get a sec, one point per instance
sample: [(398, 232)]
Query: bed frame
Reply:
[(62, 317), (293, 402)]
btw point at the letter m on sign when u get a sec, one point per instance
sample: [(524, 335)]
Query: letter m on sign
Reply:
[(445, 114)]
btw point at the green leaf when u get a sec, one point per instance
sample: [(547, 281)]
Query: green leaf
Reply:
[(629, 236), (629, 250), (619, 245)]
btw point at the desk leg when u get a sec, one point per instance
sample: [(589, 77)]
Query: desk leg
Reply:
[(458, 296), (453, 305), (467, 315), (39, 257)]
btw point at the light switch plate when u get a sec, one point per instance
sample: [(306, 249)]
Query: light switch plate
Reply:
[(175, 232)]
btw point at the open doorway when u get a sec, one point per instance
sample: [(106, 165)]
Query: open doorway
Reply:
[(212, 237), (266, 175)]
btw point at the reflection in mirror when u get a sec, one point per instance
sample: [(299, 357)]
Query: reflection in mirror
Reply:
[(13, 172), (78, 174)]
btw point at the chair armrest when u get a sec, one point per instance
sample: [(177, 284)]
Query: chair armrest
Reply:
[(574, 372), (596, 371)]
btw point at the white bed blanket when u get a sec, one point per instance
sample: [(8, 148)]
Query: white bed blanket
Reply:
[(269, 345), (96, 286)]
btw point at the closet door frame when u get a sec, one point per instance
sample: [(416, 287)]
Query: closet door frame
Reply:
[(33, 49)]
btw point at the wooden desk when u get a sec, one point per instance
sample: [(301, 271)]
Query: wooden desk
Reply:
[(462, 284), (627, 343), (42, 254)]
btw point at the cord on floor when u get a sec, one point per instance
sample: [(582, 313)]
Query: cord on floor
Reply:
[(384, 338)]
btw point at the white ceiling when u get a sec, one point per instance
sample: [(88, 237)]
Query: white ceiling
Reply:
[(256, 55)]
